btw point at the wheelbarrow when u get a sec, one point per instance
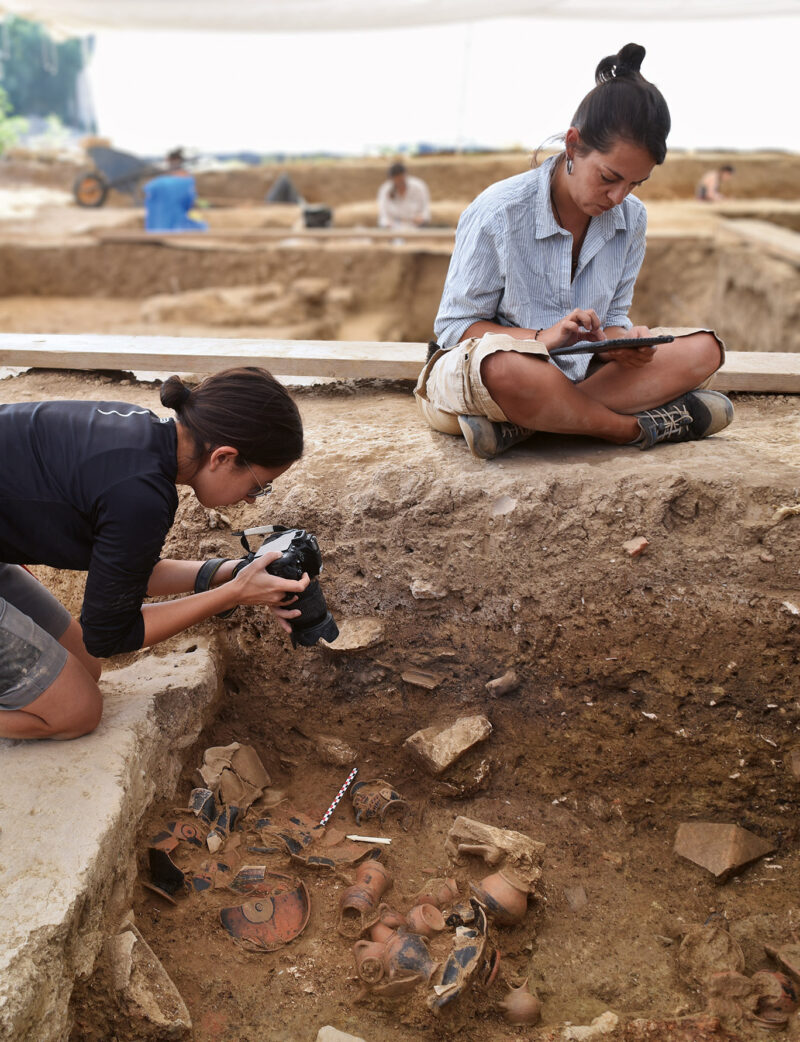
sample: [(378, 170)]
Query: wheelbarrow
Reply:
[(119, 170)]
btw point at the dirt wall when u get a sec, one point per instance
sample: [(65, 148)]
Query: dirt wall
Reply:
[(759, 175)]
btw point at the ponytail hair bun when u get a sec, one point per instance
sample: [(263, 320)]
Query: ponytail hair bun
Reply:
[(623, 106), (627, 62), (174, 393), (246, 408)]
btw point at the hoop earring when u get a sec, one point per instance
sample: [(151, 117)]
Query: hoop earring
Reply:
[(569, 166)]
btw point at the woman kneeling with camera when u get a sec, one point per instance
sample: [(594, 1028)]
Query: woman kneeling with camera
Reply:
[(91, 486)]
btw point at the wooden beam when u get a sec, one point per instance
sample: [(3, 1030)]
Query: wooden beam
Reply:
[(756, 371), (762, 372), (340, 360)]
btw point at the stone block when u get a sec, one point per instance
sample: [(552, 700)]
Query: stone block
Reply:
[(70, 812), (437, 748), (722, 849)]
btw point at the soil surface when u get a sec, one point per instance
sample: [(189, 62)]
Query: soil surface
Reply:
[(651, 691)]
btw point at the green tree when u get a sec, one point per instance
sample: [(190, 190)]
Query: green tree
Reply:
[(10, 126), (40, 76)]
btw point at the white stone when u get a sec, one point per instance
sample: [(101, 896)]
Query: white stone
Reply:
[(329, 1034), (70, 812), (602, 1025)]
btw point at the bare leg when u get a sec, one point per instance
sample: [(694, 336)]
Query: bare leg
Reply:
[(70, 707), (538, 396), (72, 640), (675, 369)]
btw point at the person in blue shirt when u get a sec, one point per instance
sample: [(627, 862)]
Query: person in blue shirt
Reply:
[(169, 198), (91, 486), (549, 258)]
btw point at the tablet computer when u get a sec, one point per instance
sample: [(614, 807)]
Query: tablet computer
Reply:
[(597, 347)]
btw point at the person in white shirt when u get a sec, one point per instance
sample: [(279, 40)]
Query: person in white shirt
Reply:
[(403, 201)]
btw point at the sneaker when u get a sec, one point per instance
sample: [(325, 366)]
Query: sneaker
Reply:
[(487, 438), (696, 414)]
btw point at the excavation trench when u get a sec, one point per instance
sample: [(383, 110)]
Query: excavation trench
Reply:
[(651, 690)]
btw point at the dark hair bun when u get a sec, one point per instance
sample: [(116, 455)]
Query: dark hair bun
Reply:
[(616, 66), (174, 393)]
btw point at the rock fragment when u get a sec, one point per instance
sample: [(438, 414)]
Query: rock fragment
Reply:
[(636, 547), (333, 751), (602, 1025), (722, 849), (355, 634), (151, 1000), (793, 763), (331, 1034), (421, 678), (503, 685), (422, 590), (437, 749)]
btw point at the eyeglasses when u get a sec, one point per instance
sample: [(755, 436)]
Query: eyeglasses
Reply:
[(263, 490)]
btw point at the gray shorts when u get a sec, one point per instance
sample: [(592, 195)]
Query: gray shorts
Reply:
[(31, 623)]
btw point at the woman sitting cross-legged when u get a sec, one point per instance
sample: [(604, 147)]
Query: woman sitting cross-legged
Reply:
[(548, 259)]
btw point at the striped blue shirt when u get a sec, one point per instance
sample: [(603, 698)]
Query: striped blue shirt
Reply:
[(512, 264)]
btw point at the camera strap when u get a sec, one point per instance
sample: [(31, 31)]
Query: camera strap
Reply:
[(261, 530)]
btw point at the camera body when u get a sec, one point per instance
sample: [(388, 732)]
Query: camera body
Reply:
[(300, 553)]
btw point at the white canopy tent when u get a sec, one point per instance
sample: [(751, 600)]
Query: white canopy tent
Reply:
[(328, 15)]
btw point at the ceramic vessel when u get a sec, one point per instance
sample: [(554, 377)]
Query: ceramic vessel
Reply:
[(504, 896), (406, 954), (373, 877), (369, 960), (520, 1007), (439, 893), (425, 920)]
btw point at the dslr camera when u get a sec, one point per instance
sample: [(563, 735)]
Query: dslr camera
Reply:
[(300, 553)]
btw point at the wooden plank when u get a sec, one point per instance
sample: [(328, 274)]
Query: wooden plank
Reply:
[(763, 372), (756, 371), (341, 360)]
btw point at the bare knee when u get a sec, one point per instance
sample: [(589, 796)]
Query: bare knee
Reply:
[(707, 354), (72, 640), (507, 373)]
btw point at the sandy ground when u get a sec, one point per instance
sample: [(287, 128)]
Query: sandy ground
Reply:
[(651, 690)]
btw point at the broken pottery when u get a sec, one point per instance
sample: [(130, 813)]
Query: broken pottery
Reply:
[(223, 826), (268, 922), (722, 849), (788, 957), (706, 950), (469, 959), (203, 804), (406, 954), (166, 878), (374, 799), (438, 892), (358, 900)]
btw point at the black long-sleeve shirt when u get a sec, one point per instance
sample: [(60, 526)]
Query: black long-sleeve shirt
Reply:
[(90, 486)]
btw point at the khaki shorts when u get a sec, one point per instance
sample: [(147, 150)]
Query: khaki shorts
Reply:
[(450, 385)]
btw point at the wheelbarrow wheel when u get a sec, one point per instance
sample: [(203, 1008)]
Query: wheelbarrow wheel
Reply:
[(90, 190)]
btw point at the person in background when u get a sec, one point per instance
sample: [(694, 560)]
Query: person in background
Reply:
[(403, 201), (549, 258), (91, 486), (709, 187), (169, 198)]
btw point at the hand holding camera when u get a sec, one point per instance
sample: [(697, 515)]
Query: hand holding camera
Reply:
[(292, 555)]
